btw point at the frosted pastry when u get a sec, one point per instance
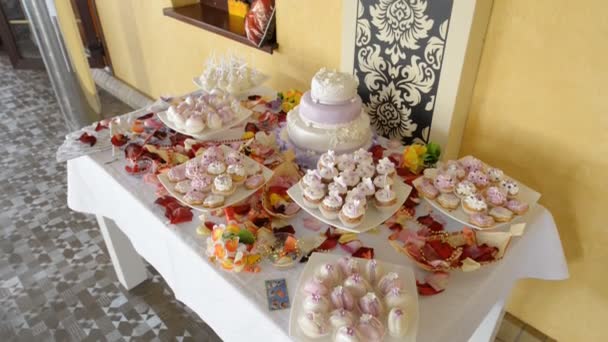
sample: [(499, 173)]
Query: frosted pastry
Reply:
[(357, 285), (213, 201), (202, 183), (338, 186), (479, 178), (366, 170), (314, 324), (346, 162), (396, 297), (233, 157), (465, 188), (216, 168), (496, 196), (356, 193), (348, 265), (311, 178), (313, 196), (470, 163), (329, 274), (327, 173), (315, 286), (177, 173), (448, 201), (223, 185), (341, 298), (315, 303), (367, 187), (496, 175), (210, 155), (371, 304), (183, 186), (254, 182), (445, 183), (389, 281), (253, 169), (430, 173), (373, 271), (385, 167), (193, 169), (351, 177), (194, 124), (474, 204), (481, 220), (370, 328), (454, 169), (427, 189), (330, 206), (501, 214), (517, 206), (510, 187), (327, 159), (398, 322), (382, 180), (351, 214), (347, 333), (194, 197), (362, 156), (385, 198), (341, 317), (237, 172)]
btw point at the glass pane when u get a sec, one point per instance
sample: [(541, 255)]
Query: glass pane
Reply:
[(26, 44)]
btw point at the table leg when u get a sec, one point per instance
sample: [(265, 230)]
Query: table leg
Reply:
[(488, 328), (129, 266)]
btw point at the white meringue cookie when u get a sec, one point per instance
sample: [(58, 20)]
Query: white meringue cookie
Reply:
[(398, 322), (314, 324)]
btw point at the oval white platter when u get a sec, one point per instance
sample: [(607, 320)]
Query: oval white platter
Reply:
[(239, 195), (207, 133), (526, 194), (316, 260), (373, 217)]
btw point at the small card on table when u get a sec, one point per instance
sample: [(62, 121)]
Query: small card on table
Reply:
[(276, 293)]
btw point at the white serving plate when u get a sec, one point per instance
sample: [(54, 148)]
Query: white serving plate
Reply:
[(239, 195), (373, 217), (317, 259), (207, 133), (526, 194)]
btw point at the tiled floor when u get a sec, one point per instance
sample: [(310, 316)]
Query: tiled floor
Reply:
[(56, 280)]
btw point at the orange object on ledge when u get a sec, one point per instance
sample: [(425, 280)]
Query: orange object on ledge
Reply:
[(238, 8)]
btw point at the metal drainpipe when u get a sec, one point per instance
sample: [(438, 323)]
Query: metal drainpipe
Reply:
[(70, 96)]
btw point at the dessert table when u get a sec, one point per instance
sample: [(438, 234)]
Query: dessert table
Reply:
[(235, 305)]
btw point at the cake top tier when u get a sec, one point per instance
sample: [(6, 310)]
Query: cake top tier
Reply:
[(333, 87)]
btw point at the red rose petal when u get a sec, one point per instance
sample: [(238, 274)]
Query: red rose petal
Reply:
[(119, 140), (377, 152), (86, 138), (100, 126), (352, 246), (424, 289), (286, 229), (443, 249), (241, 209), (364, 252), (180, 215), (328, 244), (145, 116)]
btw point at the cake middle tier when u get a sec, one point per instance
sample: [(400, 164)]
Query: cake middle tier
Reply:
[(342, 139), (330, 115)]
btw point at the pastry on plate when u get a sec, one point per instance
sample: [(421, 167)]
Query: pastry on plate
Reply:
[(479, 178), (396, 297), (510, 187), (352, 212), (383, 180), (427, 189), (313, 196), (194, 197), (445, 183), (341, 298), (338, 186), (341, 317), (373, 271), (223, 185), (202, 183), (347, 333), (385, 167), (237, 172), (254, 182), (501, 214), (398, 322), (213, 201), (327, 174), (481, 220), (465, 188), (316, 303), (474, 204), (216, 168), (371, 304), (389, 281), (315, 286), (182, 187), (496, 175), (496, 196), (314, 324), (385, 198), (448, 201), (370, 328), (357, 285), (177, 173), (330, 206), (517, 206)]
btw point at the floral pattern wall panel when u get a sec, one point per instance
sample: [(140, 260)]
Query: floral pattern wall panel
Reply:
[(399, 47)]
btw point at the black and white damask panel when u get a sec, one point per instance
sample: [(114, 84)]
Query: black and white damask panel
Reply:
[(399, 47)]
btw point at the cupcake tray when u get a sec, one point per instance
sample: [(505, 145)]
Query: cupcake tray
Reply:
[(316, 260), (526, 194), (372, 218), (207, 133), (239, 195)]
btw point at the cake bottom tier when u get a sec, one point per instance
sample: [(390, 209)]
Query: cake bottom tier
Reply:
[(320, 139)]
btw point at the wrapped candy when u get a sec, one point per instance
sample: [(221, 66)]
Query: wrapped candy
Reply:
[(341, 298), (371, 328), (258, 19), (371, 304)]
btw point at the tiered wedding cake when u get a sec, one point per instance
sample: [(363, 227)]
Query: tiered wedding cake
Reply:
[(330, 116)]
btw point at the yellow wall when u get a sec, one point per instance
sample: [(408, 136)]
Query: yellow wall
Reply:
[(73, 43), (160, 55), (540, 111)]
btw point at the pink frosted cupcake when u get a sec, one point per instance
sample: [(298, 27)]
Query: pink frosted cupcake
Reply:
[(495, 196), (510, 187), (481, 220), (517, 206), (454, 169), (193, 169), (427, 189), (470, 164), (177, 173), (202, 183), (445, 183), (479, 178)]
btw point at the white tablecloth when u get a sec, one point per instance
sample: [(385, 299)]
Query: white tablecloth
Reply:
[(235, 306)]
